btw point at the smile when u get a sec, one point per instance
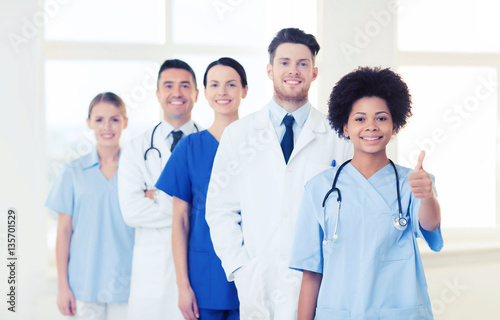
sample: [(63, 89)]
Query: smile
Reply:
[(371, 139), (177, 102), (223, 101), (293, 81)]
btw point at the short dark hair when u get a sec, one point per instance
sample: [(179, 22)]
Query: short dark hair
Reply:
[(293, 35), (228, 62), (369, 82), (176, 64)]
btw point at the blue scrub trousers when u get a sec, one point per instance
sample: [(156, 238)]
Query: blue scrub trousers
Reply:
[(211, 314)]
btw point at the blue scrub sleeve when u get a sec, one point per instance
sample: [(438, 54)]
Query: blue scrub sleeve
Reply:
[(175, 180), (61, 197), (307, 249), (434, 239)]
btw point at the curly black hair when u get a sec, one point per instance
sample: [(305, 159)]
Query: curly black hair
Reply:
[(369, 82)]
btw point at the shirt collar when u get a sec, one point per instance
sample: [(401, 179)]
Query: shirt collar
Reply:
[(91, 159), (278, 113), (166, 128)]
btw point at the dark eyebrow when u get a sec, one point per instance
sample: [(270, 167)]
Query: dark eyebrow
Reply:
[(382, 112)]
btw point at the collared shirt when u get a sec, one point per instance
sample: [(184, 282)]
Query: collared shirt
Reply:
[(277, 113), (100, 253), (166, 130)]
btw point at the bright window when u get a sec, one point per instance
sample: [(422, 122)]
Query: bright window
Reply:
[(125, 21), (449, 25), (455, 122)]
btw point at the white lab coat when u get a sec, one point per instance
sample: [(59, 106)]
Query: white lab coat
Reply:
[(153, 289), (252, 205)]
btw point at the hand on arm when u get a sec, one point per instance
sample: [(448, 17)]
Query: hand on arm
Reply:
[(150, 194), (65, 298), (421, 187), (311, 282), (137, 205), (180, 233)]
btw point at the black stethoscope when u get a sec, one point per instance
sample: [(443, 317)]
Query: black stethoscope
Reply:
[(400, 223), (152, 147)]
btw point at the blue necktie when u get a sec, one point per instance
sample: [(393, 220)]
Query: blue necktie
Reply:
[(287, 142), (177, 135)]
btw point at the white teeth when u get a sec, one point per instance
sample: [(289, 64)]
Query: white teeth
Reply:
[(176, 102), (107, 136), (370, 139), (292, 82), (222, 101)]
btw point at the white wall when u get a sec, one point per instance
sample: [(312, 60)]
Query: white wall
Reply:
[(351, 34), (22, 173)]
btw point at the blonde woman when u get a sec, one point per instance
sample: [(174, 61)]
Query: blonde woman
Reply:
[(94, 245)]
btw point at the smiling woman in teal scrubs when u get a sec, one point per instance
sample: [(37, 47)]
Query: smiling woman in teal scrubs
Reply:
[(204, 291), (94, 245), (362, 262)]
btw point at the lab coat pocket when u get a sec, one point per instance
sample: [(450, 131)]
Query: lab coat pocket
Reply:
[(415, 313), (245, 280), (332, 314), (199, 272), (393, 244)]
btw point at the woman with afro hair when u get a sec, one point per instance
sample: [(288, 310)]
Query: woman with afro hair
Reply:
[(355, 242)]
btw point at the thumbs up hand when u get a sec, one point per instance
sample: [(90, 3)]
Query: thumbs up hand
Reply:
[(420, 180)]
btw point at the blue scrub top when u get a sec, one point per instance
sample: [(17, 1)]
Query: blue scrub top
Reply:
[(186, 176), (373, 270), (100, 254)]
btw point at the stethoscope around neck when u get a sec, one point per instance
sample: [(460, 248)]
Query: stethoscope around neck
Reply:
[(152, 147), (400, 222)]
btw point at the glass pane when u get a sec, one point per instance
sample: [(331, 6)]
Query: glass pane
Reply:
[(449, 25), (119, 21), (218, 22), (238, 22), (70, 85), (455, 122)]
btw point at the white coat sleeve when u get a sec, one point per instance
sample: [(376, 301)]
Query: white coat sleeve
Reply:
[(136, 208), (223, 208)]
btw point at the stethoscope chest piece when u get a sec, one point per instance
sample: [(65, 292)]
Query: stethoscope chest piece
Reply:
[(400, 223)]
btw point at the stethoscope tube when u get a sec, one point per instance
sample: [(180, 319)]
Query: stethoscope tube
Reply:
[(400, 223), (339, 201), (152, 147)]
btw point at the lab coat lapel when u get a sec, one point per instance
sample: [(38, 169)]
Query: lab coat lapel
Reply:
[(263, 122), (314, 126)]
